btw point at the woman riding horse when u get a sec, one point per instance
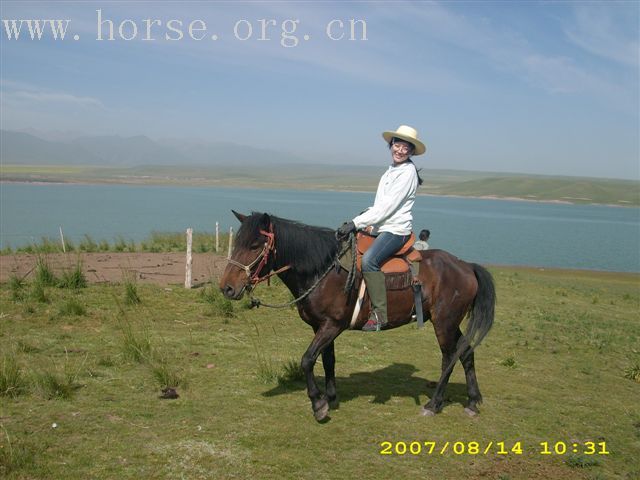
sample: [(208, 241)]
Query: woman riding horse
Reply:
[(390, 217)]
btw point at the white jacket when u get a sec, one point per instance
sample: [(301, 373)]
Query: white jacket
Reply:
[(391, 211)]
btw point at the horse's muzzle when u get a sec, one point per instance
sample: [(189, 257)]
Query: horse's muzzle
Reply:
[(232, 293)]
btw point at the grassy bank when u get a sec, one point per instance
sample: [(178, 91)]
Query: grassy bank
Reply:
[(578, 190), (156, 242), (83, 369)]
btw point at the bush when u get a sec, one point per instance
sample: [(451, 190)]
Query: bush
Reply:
[(38, 293), (166, 376), (220, 305), (120, 245), (73, 279), (52, 385), (135, 346), (12, 383), (44, 274), (16, 285), (87, 244), (69, 246), (131, 296), (291, 373)]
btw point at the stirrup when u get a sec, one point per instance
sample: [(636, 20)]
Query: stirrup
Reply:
[(373, 325)]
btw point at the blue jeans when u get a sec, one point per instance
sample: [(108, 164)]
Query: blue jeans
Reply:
[(385, 245)]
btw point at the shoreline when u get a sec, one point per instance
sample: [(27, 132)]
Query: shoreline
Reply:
[(217, 259), (312, 188)]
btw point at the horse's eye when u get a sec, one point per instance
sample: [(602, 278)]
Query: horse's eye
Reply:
[(256, 245)]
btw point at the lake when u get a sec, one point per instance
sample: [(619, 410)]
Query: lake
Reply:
[(479, 230)]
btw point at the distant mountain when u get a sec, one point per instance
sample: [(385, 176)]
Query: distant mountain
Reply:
[(23, 148), (219, 153), (130, 151), (117, 151)]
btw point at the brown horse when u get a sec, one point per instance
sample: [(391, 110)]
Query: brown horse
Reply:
[(304, 258)]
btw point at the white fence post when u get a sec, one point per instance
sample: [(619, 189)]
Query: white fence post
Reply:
[(230, 241), (217, 237), (187, 278), (64, 249)]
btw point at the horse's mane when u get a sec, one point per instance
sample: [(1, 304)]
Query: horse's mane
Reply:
[(309, 250)]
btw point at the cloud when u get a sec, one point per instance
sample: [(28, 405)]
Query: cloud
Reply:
[(18, 92), (561, 75), (597, 29), (509, 51), (47, 97)]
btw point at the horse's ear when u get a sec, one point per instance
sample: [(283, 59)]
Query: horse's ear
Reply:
[(265, 221), (239, 216)]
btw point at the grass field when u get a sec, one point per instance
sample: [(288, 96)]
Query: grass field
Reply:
[(82, 372), (347, 177)]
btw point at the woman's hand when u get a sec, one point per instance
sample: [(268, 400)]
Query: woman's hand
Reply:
[(345, 229)]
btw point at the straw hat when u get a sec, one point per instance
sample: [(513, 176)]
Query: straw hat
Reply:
[(408, 134)]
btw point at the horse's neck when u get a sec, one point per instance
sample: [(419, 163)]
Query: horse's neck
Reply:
[(296, 283)]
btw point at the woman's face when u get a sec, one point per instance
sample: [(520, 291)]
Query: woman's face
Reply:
[(400, 151)]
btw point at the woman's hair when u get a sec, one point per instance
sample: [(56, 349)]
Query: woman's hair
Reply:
[(424, 235), (413, 149)]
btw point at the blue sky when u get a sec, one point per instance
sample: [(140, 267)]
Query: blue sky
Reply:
[(533, 87)]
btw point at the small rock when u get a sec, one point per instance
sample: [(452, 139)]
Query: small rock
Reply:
[(169, 394)]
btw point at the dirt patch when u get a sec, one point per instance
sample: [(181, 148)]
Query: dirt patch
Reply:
[(157, 268)]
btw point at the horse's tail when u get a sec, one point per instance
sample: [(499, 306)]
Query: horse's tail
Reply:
[(481, 316), (483, 308)]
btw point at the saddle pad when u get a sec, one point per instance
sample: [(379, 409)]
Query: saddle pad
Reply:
[(392, 265)]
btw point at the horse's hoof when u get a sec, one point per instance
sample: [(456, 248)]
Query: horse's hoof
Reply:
[(425, 412), (322, 413), (334, 404), (471, 412)]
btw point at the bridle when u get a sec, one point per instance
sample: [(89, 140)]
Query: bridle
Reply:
[(261, 260)]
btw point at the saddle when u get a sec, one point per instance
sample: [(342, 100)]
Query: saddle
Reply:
[(401, 269), (399, 262)]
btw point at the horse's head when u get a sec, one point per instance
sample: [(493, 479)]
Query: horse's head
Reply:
[(252, 255)]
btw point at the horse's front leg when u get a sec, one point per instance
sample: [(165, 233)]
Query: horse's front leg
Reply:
[(329, 364), (324, 337)]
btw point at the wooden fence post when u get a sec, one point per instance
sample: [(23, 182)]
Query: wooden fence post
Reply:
[(187, 278), (217, 237), (230, 241), (64, 249)]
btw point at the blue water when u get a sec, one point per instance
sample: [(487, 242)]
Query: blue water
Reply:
[(479, 230)]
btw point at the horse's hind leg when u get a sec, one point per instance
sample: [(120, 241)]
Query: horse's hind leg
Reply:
[(448, 333), (467, 359), (473, 391), (329, 364), (434, 405)]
